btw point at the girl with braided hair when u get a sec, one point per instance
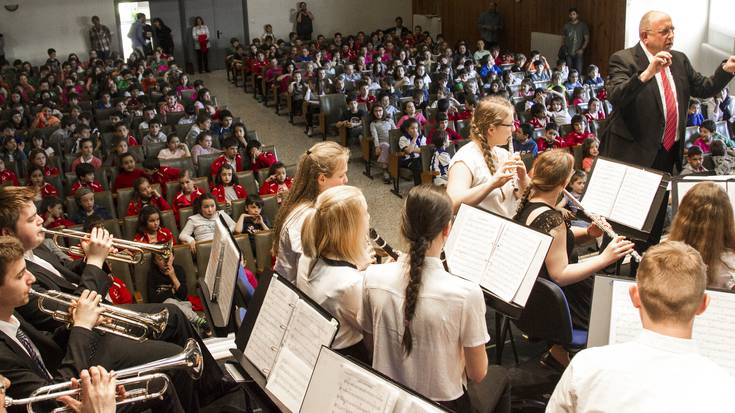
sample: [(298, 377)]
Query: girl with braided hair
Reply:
[(551, 173), (427, 326), (480, 173), (335, 254), (323, 166)]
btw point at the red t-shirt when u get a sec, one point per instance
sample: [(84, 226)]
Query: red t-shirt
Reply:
[(126, 179), (135, 206), (219, 192), (163, 235), (94, 186)]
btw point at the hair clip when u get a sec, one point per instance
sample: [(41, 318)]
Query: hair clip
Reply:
[(308, 152)]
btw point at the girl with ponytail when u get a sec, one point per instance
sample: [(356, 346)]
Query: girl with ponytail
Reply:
[(323, 166), (427, 326), (551, 173), (480, 173), (336, 250)]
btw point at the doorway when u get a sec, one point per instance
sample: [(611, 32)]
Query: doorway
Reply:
[(225, 20), (127, 10)]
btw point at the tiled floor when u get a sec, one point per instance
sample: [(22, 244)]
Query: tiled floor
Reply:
[(291, 142)]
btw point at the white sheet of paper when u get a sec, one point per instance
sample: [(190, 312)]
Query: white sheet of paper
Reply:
[(410, 404), (307, 332), (229, 270), (270, 326), (635, 198), (603, 187), (516, 248), (289, 379), (213, 265), (712, 330), (360, 392), (471, 242)]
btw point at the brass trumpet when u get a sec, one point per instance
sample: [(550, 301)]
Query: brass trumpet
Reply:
[(130, 252), (190, 359), (119, 321)]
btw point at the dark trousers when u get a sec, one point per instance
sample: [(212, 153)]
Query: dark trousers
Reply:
[(575, 61), (202, 61), (311, 109), (414, 164)]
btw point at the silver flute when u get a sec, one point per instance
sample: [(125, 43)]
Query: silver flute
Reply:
[(600, 222), (515, 174)]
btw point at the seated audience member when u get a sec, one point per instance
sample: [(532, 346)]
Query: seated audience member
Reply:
[(159, 174), (590, 151), (252, 220), (441, 158), (154, 134), (724, 162), (37, 180), (558, 111), (85, 179), (409, 111), (144, 194), (203, 124), (6, 175), (122, 132), (277, 182), (150, 230), (442, 124), (578, 133), (594, 110), (38, 157), (410, 144), (704, 220), (407, 305), (200, 226), (703, 140), (127, 173), (522, 142), (229, 156), (52, 212), (708, 133), (188, 193), (87, 207), (259, 158), (647, 371), (380, 127), (352, 120), (226, 188), (694, 161), (175, 149), (172, 104), (86, 155), (694, 114), (203, 146), (539, 117)]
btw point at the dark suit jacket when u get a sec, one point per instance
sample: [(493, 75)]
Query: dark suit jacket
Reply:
[(78, 272), (65, 353), (634, 130)]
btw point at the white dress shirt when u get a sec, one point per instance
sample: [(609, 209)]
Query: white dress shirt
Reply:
[(653, 373), (660, 83), (30, 256)]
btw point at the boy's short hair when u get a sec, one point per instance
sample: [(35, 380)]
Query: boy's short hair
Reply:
[(710, 125), (527, 129), (120, 125), (83, 169), (253, 145), (51, 50), (671, 281), (577, 119), (203, 116), (229, 143), (12, 200), (439, 138), (254, 199), (551, 126), (155, 121), (225, 113), (717, 148), (694, 151), (11, 250), (49, 202), (441, 117), (151, 163)]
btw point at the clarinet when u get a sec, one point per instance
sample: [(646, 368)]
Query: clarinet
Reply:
[(599, 221), (512, 152), (380, 242)]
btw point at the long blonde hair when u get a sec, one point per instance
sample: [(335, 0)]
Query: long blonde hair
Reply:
[(551, 169), (704, 220), (335, 227), (324, 158), (490, 111)]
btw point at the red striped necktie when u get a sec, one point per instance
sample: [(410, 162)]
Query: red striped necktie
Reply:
[(672, 114)]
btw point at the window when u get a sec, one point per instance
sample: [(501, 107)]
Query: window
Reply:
[(721, 33)]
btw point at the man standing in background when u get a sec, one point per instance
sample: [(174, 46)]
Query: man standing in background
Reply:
[(100, 38), (490, 24), (576, 38)]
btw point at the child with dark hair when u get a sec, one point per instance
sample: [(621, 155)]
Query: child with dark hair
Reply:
[(410, 144), (252, 220), (523, 142), (52, 212), (158, 174), (568, 208), (694, 161), (724, 162), (226, 188), (708, 131), (442, 125), (189, 191), (590, 151), (37, 180), (578, 133), (200, 226), (441, 158), (539, 118), (127, 174), (144, 194), (150, 230), (277, 183), (84, 198), (230, 156), (6, 175), (351, 119), (85, 179), (259, 158)]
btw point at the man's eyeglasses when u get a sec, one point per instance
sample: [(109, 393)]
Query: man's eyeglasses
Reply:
[(663, 32)]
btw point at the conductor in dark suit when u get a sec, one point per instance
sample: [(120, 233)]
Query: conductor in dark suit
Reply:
[(649, 86)]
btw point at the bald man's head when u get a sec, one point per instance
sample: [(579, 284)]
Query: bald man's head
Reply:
[(656, 31)]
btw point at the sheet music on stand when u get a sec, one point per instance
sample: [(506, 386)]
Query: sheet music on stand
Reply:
[(614, 320), (680, 185), (220, 278), (628, 196), (502, 256), (283, 333), (342, 385)]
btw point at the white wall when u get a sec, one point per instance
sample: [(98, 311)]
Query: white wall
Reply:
[(330, 16), (61, 24), (689, 20)]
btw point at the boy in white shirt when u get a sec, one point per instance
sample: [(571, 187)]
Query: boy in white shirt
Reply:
[(661, 370)]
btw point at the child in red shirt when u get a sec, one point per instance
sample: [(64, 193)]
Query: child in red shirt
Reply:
[(158, 174), (53, 214), (150, 230), (189, 192), (36, 179), (442, 124), (122, 132), (6, 175), (128, 172), (258, 158), (85, 179), (39, 158), (226, 189), (230, 156), (143, 195), (277, 182), (578, 134)]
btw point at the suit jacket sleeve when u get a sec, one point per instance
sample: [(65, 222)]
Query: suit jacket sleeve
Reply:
[(623, 83), (706, 87)]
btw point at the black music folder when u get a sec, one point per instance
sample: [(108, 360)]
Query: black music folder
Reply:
[(628, 196), (280, 339), (340, 384), (501, 255)]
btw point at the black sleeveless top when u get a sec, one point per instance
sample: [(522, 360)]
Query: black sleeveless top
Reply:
[(579, 295)]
